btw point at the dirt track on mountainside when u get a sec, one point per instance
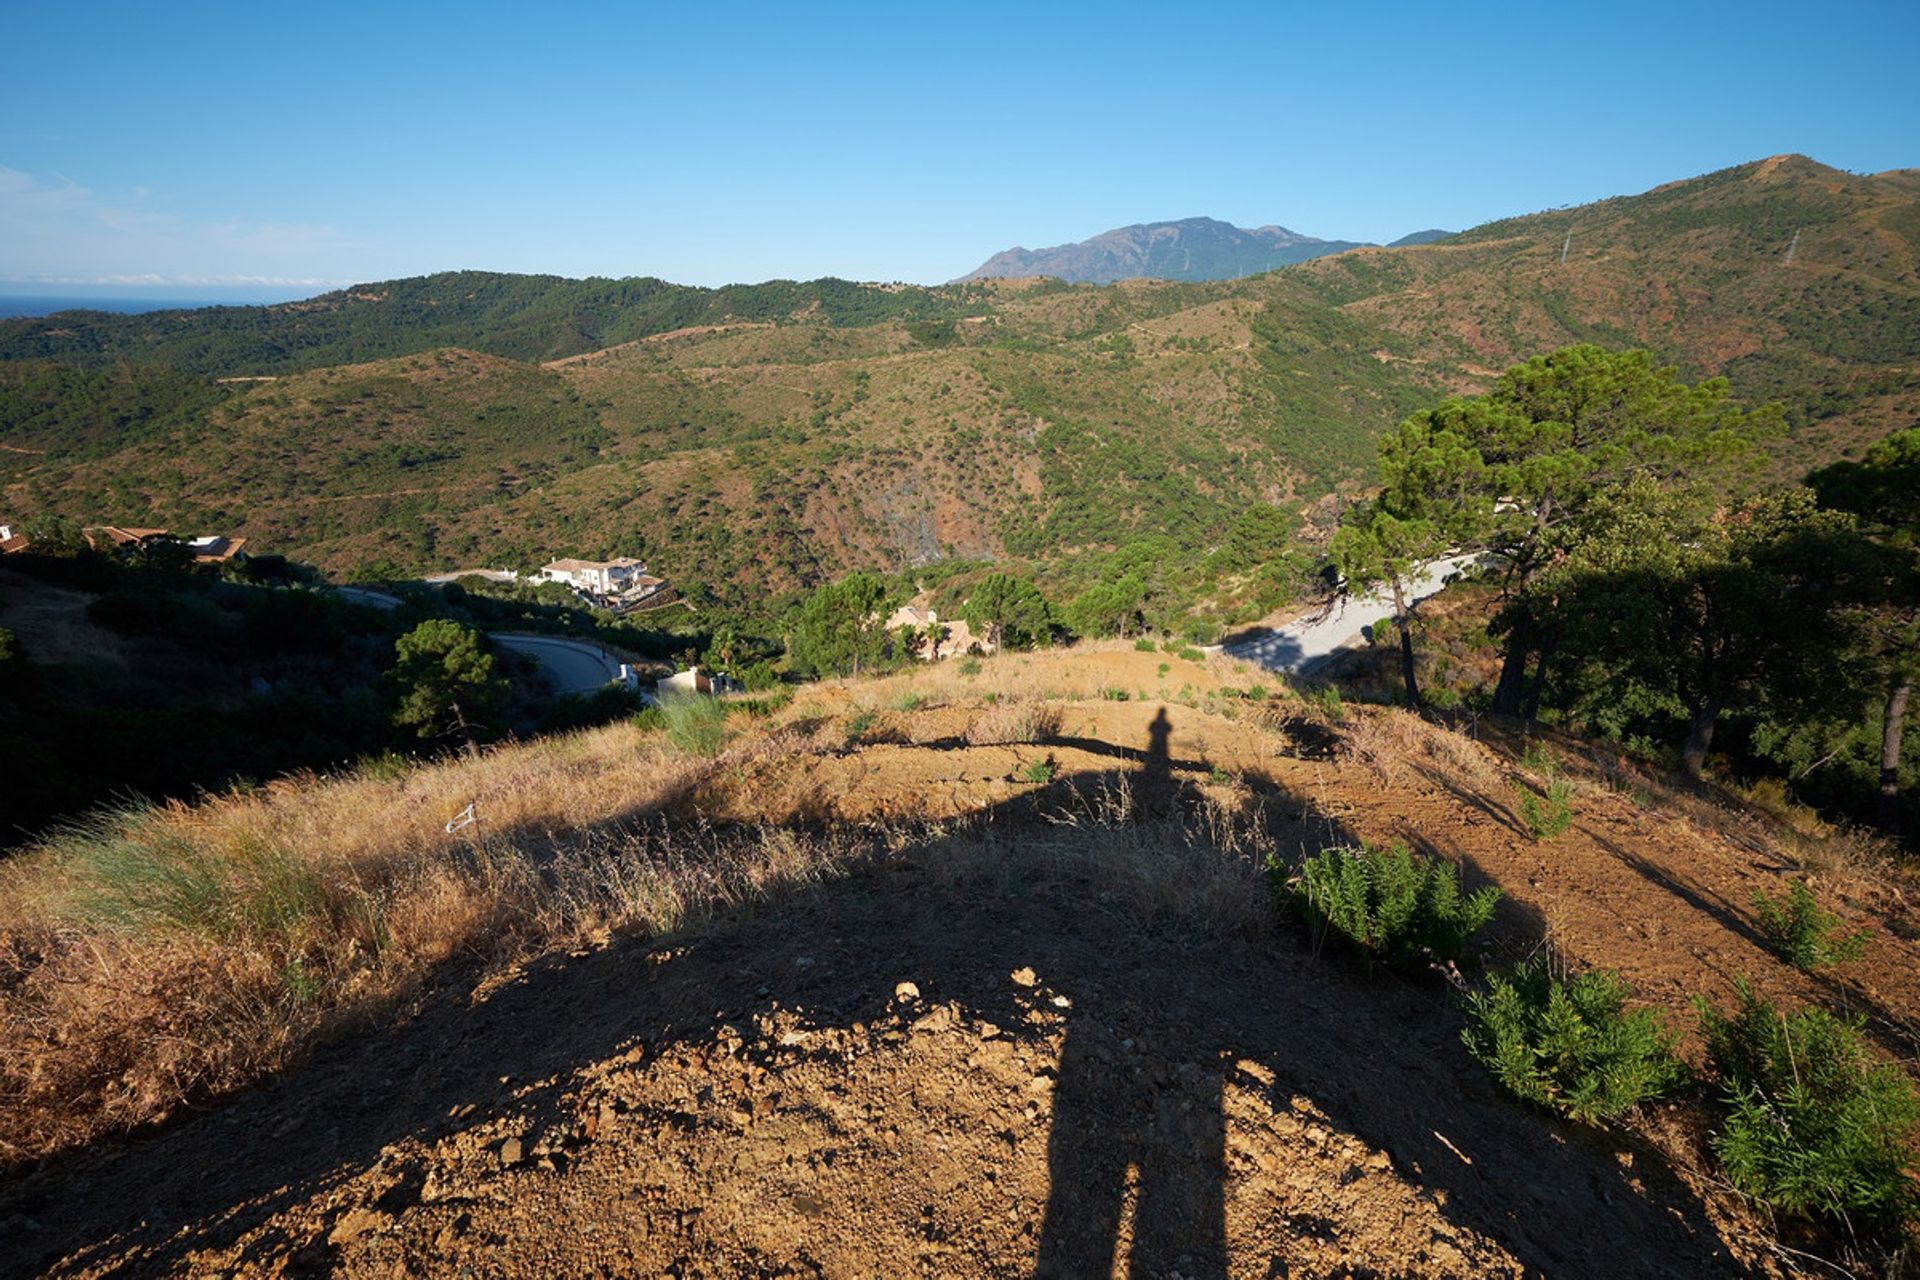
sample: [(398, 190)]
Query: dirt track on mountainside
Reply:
[(1080, 1079)]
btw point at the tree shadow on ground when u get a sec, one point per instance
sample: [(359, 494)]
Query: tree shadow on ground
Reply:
[(1160, 1005)]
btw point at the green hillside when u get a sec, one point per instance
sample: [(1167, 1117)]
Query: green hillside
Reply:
[(524, 317), (756, 439)]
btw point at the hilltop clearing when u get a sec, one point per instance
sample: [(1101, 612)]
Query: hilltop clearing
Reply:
[(944, 973)]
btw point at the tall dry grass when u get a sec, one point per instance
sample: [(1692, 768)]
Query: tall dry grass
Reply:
[(150, 957)]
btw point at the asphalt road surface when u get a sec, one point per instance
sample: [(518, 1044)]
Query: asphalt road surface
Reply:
[(1303, 644), (572, 666), (375, 599)]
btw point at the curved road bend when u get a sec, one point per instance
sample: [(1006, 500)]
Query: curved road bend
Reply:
[(1305, 643), (572, 666), (369, 597)]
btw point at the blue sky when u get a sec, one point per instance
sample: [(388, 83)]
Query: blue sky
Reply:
[(277, 150)]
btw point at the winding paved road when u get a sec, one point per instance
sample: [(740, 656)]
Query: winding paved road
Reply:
[(1303, 644), (369, 597), (572, 666)]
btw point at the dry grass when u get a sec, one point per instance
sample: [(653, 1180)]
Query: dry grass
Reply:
[(1391, 742), (150, 956), (156, 956), (1008, 723)]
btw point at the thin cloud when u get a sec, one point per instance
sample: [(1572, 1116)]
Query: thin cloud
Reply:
[(57, 231), (155, 280)]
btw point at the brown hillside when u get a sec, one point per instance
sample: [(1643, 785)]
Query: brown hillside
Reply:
[(1040, 418)]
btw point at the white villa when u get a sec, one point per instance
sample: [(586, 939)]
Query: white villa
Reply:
[(947, 638), (602, 577)]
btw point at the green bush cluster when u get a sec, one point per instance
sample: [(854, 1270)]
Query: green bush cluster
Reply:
[(1393, 909), (1550, 814), (1569, 1043), (1813, 1126), (1804, 934)]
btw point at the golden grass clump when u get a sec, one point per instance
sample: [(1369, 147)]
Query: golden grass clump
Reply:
[(1007, 723), (153, 955)]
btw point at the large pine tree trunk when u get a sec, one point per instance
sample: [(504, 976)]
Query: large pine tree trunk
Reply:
[(1700, 738), (1888, 814), (1405, 625), (1513, 669), (1539, 680)]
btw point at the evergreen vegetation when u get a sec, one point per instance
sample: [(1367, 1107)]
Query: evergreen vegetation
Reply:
[(1390, 908), (1813, 1127), (1569, 1042), (1803, 933)]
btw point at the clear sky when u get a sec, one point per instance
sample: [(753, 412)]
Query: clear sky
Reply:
[(277, 150)]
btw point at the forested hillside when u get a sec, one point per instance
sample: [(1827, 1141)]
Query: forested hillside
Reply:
[(759, 438), (525, 317)]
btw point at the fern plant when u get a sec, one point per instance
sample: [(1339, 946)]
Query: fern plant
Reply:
[(1802, 933), (1814, 1126), (1570, 1043), (1393, 909)]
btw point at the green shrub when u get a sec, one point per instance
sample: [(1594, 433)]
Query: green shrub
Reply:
[(1802, 933), (1038, 771), (1143, 645), (1396, 910), (1539, 758), (857, 727), (1113, 693), (1549, 815), (1165, 667), (1328, 701), (1189, 654), (388, 766), (1814, 1127), (1569, 1043), (695, 723), (760, 708), (908, 702), (970, 667)]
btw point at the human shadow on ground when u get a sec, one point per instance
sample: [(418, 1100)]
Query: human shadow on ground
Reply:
[(1159, 1006)]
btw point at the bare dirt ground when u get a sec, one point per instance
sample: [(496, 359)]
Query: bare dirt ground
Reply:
[(1035, 1035)]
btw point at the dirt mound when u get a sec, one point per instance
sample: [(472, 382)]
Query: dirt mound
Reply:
[(1045, 1024), (1063, 1086)]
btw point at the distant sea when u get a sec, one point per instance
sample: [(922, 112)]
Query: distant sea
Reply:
[(11, 306)]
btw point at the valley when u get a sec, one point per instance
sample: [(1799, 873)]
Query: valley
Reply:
[(763, 439), (1387, 765)]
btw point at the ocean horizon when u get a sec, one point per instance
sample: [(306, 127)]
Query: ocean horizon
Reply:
[(13, 306)]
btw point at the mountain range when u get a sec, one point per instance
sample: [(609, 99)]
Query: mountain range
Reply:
[(755, 439), (1189, 249)]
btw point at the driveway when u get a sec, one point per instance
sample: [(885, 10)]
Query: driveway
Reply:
[(1305, 643), (571, 666)]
